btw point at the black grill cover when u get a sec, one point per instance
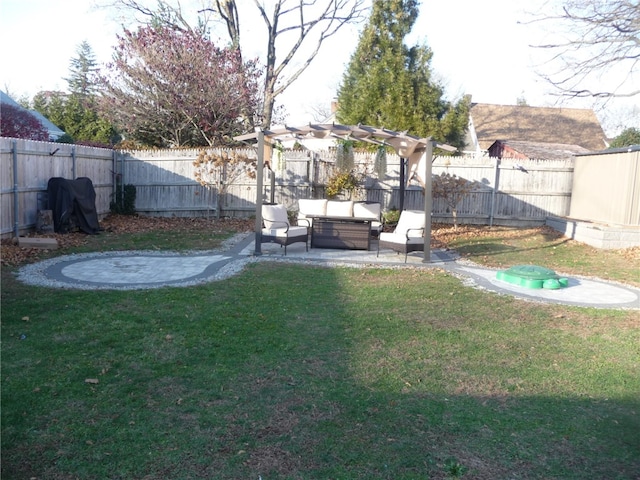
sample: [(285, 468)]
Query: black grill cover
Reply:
[(73, 204)]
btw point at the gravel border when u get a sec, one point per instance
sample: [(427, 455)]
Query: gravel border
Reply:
[(38, 274), (35, 274)]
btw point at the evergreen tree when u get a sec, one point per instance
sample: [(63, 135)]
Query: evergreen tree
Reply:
[(76, 112), (630, 136), (83, 70), (389, 84)]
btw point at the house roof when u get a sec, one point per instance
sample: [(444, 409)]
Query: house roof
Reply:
[(540, 150), (568, 126), (4, 98)]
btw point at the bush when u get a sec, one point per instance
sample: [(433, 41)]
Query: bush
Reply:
[(391, 217), (342, 182), (66, 138), (125, 200)]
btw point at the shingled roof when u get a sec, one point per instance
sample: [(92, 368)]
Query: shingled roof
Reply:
[(534, 150), (569, 126)]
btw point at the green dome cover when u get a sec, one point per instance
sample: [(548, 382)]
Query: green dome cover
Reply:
[(532, 276)]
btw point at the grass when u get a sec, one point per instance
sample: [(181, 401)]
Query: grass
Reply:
[(195, 238), (292, 371), (503, 247)]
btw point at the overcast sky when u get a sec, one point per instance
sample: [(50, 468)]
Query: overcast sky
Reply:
[(472, 41)]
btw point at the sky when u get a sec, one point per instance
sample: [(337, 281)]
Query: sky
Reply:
[(480, 48)]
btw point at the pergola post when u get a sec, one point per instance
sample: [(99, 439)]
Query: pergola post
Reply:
[(272, 187), (259, 185), (403, 182), (428, 199)]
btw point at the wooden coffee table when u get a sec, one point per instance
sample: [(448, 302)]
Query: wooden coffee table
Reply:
[(341, 232)]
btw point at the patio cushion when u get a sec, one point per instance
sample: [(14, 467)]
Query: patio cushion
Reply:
[(366, 210), (370, 211), (410, 219), (284, 233), (339, 208), (400, 239), (275, 216), (312, 207)]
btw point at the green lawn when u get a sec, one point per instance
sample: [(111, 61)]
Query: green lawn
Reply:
[(503, 247), (294, 371)]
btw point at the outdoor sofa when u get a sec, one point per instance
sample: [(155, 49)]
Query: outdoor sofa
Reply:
[(309, 208)]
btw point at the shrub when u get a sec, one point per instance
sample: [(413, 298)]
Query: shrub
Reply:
[(125, 200), (342, 182)]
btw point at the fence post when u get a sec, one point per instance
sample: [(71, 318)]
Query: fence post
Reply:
[(73, 162), (428, 200), (114, 176), (496, 179), (259, 183), (16, 201)]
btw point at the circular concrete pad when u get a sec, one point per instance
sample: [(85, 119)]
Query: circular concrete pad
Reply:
[(125, 270), (580, 291), (152, 269)]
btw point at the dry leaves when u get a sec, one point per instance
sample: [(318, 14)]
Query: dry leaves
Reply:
[(12, 254), (441, 236)]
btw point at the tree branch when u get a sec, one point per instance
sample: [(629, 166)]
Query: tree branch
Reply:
[(599, 37)]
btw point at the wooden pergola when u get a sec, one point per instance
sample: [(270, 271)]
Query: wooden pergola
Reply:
[(418, 152)]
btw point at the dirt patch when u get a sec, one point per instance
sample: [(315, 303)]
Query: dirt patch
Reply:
[(272, 459)]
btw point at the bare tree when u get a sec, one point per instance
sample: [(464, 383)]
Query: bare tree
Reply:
[(166, 13), (592, 38), (452, 189), (310, 21), (320, 112), (228, 11), (296, 30)]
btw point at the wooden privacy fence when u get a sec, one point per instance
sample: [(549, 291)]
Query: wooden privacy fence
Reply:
[(509, 192), (522, 192), (26, 167)]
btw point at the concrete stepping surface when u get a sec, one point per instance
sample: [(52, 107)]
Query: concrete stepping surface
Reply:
[(133, 270)]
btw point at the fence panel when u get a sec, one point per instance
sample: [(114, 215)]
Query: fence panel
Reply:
[(26, 167), (166, 184)]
